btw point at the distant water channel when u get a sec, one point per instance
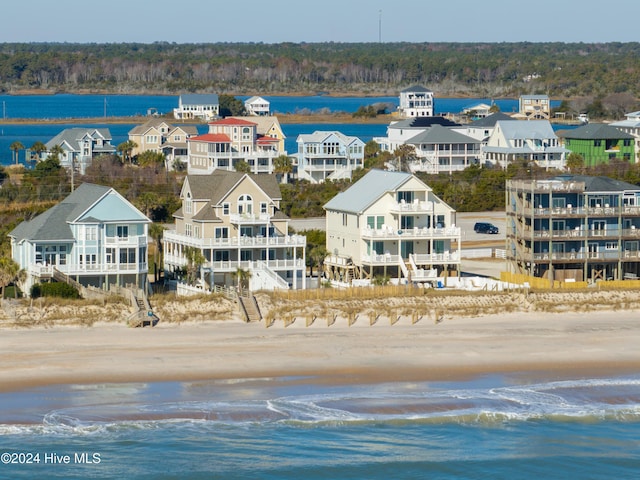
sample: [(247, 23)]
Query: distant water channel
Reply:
[(69, 106)]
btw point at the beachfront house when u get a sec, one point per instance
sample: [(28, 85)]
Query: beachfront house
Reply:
[(205, 107), (328, 155), (257, 106), (630, 125), (234, 220), (416, 101), (529, 141), (95, 237), (252, 141), (573, 228), (80, 146), (535, 107), (390, 225), (159, 136), (599, 143)]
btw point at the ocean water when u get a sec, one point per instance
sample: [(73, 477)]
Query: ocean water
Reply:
[(498, 427)]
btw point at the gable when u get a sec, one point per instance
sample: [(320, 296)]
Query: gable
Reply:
[(111, 208)]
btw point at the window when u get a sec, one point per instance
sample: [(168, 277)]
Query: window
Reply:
[(406, 196), (91, 233), (110, 256), (263, 207), (371, 221), (188, 204), (221, 255), (611, 246), (127, 255), (122, 232), (188, 230), (597, 143), (559, 202), (245, 204), (344, 219), (222, 232), (626, 142), (226, 208)]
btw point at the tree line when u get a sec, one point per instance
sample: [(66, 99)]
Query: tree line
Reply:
[(561, 70)]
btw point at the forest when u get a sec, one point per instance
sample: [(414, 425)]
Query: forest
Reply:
[(487, 70)]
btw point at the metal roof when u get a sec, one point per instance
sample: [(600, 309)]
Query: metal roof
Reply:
[(367, 190)]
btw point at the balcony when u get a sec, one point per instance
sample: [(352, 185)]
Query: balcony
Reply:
[(46, 271), (416, 206), (384, 259), (236, 242), (131, 241), (388, 233), (250, 218)]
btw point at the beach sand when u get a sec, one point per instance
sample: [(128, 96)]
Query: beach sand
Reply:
[(553, 345)]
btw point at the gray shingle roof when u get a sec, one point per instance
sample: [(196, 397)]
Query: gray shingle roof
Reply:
[(54, 223), (71, 136), (216, 186), (415, 88), (595, 131), (367, 190), (598, 184), (199, 99), (439, 134), (490, 120)]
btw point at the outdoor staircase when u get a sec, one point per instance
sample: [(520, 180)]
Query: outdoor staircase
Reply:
[(144, 315), (249, 306)]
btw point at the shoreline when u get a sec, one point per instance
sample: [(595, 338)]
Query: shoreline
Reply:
[(552, 346)]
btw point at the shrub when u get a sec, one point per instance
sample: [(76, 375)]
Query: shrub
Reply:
[(55, 289)]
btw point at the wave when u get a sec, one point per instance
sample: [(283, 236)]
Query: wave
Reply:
[(590, 400)]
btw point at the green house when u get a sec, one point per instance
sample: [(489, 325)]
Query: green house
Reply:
[(599, 143)]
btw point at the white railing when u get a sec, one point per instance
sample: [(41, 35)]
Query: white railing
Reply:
[(130, 240), (243, 241), (250, 218), (274, 280), (89, 269), (430, 258), (386, 258), (418, 232), (415, 206)]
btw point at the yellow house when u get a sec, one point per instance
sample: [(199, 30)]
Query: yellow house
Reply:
[(234, 220)]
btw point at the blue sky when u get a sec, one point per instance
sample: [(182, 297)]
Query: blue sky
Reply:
[(297, 21)]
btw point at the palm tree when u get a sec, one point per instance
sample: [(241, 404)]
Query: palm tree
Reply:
[(243, 276), (156, 231), (36, 150), (15, 148), (195, 259), (242, 166), (404, 155), (282, 167), (55, 152), (9, 270), (125, 149)]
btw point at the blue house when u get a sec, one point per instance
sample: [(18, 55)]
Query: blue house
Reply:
[(94, 236)]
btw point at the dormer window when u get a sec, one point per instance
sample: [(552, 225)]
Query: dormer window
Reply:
[(188, 204)]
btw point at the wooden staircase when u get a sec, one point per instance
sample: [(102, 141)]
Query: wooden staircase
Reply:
[(249, 306)]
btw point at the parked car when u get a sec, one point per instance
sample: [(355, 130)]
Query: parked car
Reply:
[(483, 227)]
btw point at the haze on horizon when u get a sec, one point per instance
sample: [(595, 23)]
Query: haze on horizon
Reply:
[(204, 21)]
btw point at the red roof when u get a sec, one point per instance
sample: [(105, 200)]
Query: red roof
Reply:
[(232, 121), (211, 138), (266, 139)]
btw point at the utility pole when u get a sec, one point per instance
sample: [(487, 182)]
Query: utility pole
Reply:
[(379, 26)]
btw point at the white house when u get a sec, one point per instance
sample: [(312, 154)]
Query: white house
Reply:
[(95, 236), (416, 101), (390, 224), (205, 107), (80, 146), (257, 106), (328, 155), (531, 141), (443, 150), (234, 220)]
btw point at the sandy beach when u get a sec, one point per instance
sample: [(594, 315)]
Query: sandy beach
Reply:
[(577, 344)]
